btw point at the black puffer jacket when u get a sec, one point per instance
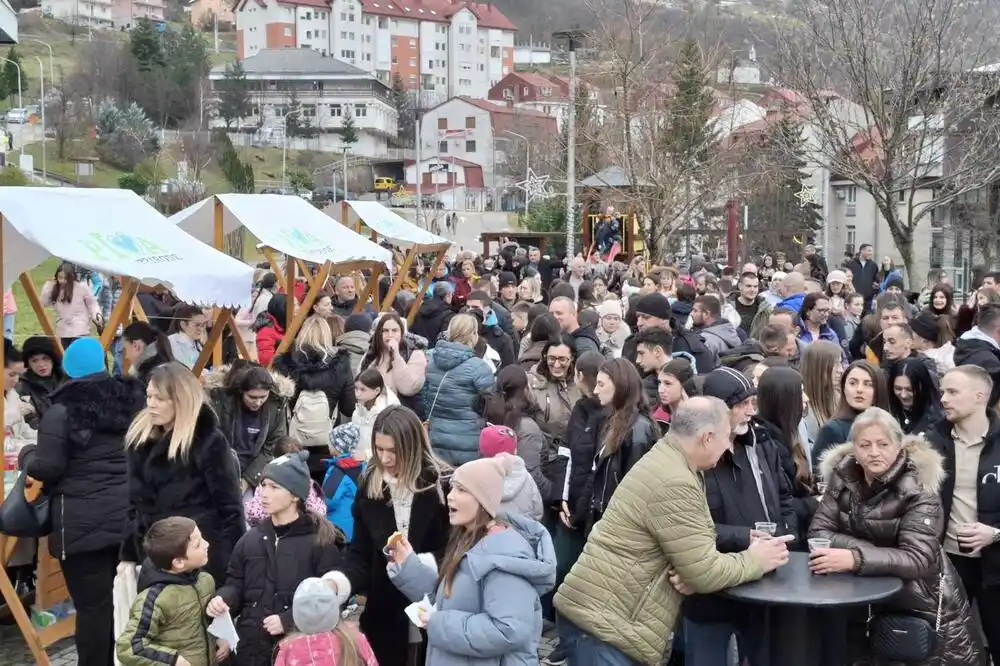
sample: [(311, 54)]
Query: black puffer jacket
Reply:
[(580, 440), (80, 459), (261, 580), (39, 389), (892, 528), (205, 488), (432, 320)]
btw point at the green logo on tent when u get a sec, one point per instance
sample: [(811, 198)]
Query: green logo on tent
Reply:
[(120, 246), (303, 241)]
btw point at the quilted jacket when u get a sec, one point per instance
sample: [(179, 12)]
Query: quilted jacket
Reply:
[(893, 527), (455, 379), (658, 518)]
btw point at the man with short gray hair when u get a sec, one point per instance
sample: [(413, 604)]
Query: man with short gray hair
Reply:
[(657, 521)]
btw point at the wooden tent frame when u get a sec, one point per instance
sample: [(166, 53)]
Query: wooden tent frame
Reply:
[(293, 266), (51, 587), (439, 250)]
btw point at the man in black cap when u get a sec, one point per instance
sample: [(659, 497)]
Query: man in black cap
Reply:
[(747, 494), (507, 284), (650, 310)]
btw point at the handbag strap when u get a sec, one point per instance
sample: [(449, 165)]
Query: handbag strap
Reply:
[(436, 394)]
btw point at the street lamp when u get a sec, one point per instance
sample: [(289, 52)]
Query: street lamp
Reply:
[(284, 143), (52, 69), (41, 82), (20, 102), (527, 164), (574, 38)]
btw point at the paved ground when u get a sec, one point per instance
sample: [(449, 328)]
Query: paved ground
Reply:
[(14, 651)]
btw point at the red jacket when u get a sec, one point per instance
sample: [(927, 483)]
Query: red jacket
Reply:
[(268, 340), (463, 287)]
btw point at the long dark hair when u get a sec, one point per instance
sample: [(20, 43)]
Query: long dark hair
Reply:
[(510, 401), (627, 403), (925, 397), (60, 292), (779, 402), (559, 339), (949, 297), (880, 398), (377, 348)]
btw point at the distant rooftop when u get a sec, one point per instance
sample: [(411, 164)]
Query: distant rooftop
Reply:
[(295, 61)]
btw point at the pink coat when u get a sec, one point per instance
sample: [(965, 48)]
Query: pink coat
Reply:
[(73, 318), (320, 650)]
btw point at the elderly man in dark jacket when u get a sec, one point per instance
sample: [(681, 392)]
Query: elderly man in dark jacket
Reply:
[(748, 496)]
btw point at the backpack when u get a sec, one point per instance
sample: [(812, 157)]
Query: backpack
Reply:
[(340, 486), (311, 420), (689, 342)]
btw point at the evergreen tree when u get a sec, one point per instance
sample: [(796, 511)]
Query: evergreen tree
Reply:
[(234, 94), (407, 119), (10, 74), (776, 214), (293, 116), (348, 133), (146, 45), (687, 136)]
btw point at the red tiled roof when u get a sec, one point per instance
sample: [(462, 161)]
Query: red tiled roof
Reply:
[(486, 105), (440, 11)]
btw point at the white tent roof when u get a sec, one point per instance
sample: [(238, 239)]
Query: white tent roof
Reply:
[(117, 233), (387, 223), (289, 224)]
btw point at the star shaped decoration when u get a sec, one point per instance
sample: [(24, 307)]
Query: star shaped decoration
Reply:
[(806, 196), (535, 187)]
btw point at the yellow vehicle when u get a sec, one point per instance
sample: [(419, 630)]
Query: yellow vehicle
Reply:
[(385, 184)]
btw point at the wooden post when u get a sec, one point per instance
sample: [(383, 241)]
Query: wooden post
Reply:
[(415, 308), (119, 314), (371, 291), (294, 323), (43, 317), (401, 272), (275, 264), (289, 290)]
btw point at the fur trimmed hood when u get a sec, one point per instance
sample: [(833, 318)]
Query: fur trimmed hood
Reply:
[(920, 456), (217, 380), (101, 403)]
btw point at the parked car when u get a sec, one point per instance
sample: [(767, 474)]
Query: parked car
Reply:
[(385, 184), (17, 116)]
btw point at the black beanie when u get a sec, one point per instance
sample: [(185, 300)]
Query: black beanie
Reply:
[(654, 305), (728, 385), (358, 321), (925, 325)]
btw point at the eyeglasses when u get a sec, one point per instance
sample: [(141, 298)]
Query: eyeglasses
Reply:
[(558, 360)]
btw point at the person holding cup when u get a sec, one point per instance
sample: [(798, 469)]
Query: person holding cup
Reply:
[(881, 516)]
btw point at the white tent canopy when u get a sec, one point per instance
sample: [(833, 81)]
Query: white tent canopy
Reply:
[(388, 224), (288, 224), (117, 233)]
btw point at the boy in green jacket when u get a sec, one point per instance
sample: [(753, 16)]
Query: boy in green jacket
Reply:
[(168, 623)]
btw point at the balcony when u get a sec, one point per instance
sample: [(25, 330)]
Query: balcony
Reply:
[(8, 23)]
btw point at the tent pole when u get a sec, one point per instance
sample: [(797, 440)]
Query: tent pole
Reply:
[(220, 245), (293, 324), (43, 317), (438, 261), (289, 290)]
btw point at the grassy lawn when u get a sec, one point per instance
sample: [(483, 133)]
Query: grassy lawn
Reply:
[(104, 174)]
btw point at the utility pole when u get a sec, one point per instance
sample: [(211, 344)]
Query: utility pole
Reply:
[(574, 38)]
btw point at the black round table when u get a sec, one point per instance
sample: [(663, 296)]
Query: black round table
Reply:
[(800, 605)]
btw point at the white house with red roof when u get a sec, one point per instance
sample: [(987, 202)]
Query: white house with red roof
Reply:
[(541, 91), (442, 48), (475, 131)]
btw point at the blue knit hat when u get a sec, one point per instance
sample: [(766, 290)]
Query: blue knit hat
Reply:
[(85, 356)]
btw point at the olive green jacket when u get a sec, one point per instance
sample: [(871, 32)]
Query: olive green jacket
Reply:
[(168, 619), (618, 591)]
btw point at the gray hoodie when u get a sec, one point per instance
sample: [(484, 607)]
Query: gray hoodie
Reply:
[(493, 615), (520, 492), (720, 337), (356, 343)]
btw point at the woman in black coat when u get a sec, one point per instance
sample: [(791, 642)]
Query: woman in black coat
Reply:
[(180, 464), (80, 460), (42, 375), (403, 470)]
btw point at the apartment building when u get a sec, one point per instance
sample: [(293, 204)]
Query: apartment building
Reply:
[(200, 11), (125, 12), (476, 132), (326, 90), (96, 13), (441, 48)]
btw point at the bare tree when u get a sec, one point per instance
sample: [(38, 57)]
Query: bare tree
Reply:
[(65, 113), (673, 182), (914, 121), (198, 148)]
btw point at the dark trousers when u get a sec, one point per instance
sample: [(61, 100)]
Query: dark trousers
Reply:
[(90, 579), (970, 570)]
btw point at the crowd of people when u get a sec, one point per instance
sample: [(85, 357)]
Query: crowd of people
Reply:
[(600, 446)]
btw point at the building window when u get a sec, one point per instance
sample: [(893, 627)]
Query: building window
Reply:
[(394, 42), (442, 146), (336, 110), (470, 122), (937, 248), (413, 62), (442, 123), (394, 60), (343, 34), (901, 196), (309, 110), (288, 31), (852, 240), (309, 34), (360, 110), (482, 67), (343, 16), (309, 16), (413, 42), (465, 82), (470, 146)]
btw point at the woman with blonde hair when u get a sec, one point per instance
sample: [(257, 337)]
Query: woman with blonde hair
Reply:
[(881, 515), (530, 290), (456, 381), (320, 369), (822, 367), (180, 464), (400, 493)]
